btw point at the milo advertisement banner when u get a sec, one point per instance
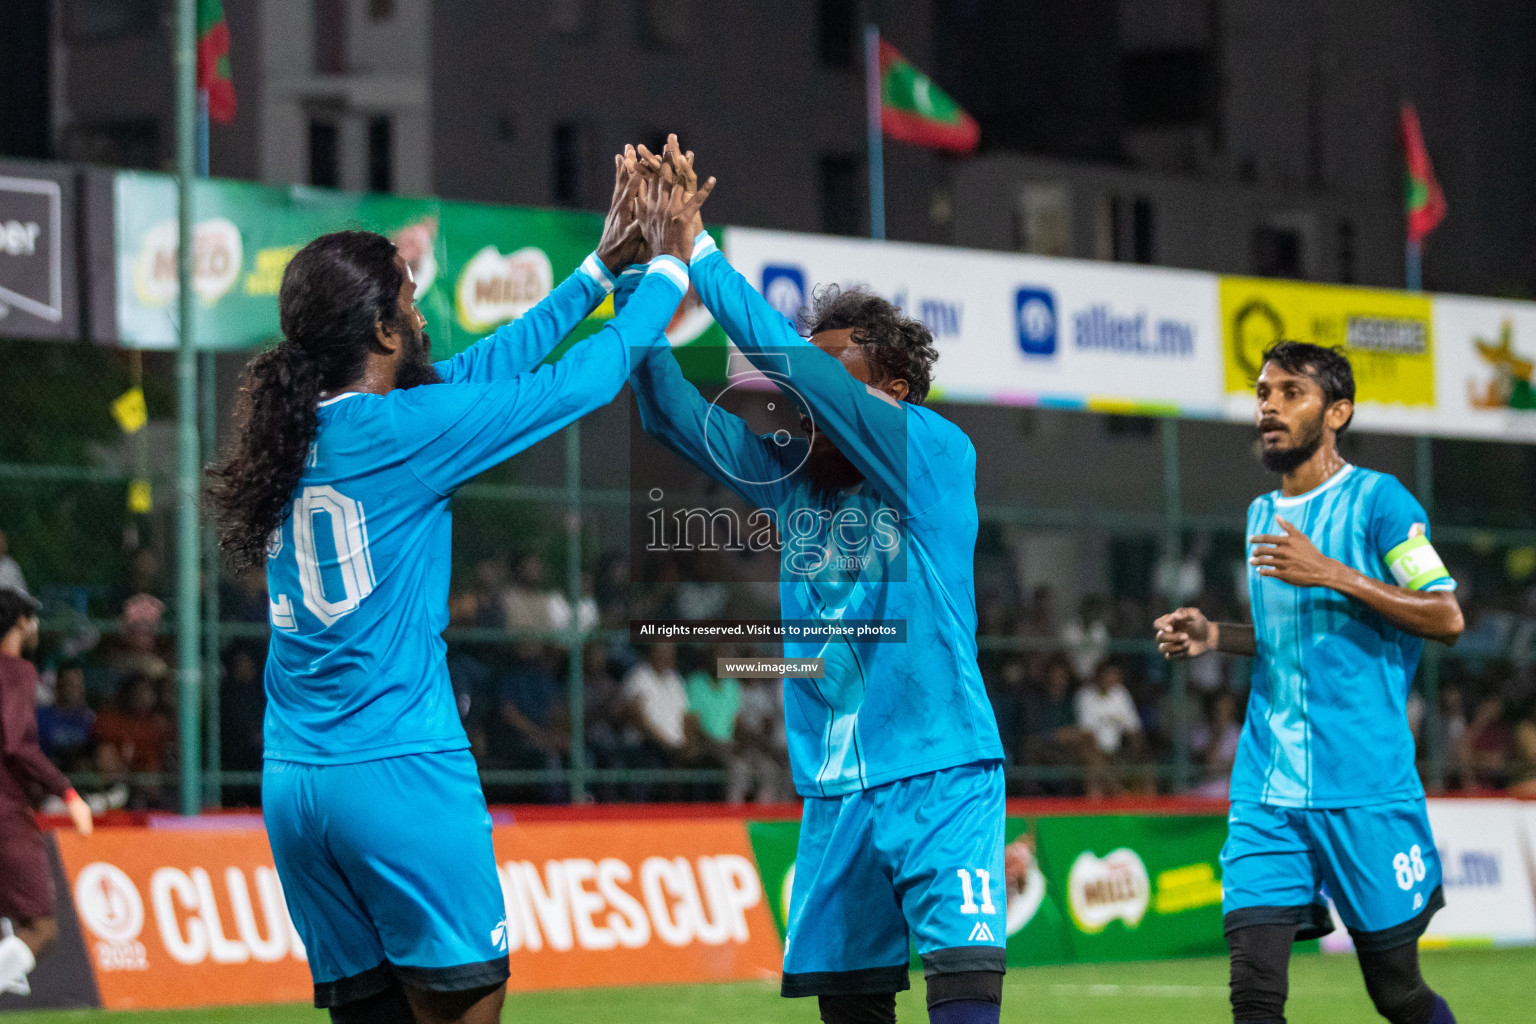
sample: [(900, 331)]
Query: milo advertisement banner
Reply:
[(476, 266), (1079, 888)]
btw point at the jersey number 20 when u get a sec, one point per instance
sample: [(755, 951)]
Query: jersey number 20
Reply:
[(331, 590)]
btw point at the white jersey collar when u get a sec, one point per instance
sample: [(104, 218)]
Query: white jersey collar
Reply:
[(1297, 499)]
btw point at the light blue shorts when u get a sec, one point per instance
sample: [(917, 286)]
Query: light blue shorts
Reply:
[(1378, 863), (916, 862), (389, 874)]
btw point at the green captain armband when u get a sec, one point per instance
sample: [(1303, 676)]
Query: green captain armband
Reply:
[(1415, 564)]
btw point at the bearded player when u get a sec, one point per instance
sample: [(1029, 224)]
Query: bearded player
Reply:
[(350, 446), (27, 923), (895, 748), (1345, 587)]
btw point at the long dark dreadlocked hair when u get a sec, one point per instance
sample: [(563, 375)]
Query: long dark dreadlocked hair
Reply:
[(334, 291)]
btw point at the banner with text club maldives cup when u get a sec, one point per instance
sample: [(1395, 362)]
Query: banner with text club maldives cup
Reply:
[(174, 918)]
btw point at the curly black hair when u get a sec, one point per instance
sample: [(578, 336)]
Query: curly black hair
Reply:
[(334, 291), (1328, 366), (897, 346)]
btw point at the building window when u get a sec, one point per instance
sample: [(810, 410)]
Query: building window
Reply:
[(842, 194), (572, 150), (1165, 87), (663, 23), (96, 20), (324, 154), (381, 155), (330, 36), (1346, 234), (837, 33), (1143, 235), (1277, 251)]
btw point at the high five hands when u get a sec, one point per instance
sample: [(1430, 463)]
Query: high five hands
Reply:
[(655, 207)]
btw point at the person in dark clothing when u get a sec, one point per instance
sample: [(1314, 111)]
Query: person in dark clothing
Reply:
[(66, 729), (26, 882)]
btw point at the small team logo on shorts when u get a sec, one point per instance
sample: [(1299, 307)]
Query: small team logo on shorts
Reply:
[(981, 933), (499, 935)]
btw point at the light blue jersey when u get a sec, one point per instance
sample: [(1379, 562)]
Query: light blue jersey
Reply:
[(1327, 718), (358, 574), (898, 547)]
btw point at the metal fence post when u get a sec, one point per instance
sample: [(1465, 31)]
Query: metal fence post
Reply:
[(1178, 672), (575, 683), (213, 754)]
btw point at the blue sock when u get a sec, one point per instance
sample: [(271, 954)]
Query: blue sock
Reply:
[(1442, 1014), (968, 1011)]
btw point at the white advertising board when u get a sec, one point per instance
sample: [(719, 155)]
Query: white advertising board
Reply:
[(1020, 330), (1485, 368), (1488, 895)]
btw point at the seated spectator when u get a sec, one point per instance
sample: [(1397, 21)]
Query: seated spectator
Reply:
[(1086, 637), (1523, 754), (605, 719), (658, 707), (528, 602), (522, 730), (137, 648), (1220, 749), (1485, 746), (1007, 682), (10, 572), (1106, 712), (713, 703), (132, 737), (1051, 733), (65, 727), (759, 762)]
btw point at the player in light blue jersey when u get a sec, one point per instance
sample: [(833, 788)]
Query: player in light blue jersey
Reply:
[(1344, 587), (895, 749), (350, 446)]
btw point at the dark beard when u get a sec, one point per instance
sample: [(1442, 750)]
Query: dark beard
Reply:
[(416, 368), (829, 469), (1288, 460)]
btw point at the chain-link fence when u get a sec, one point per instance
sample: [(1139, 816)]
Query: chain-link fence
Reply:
[(1091, 525)]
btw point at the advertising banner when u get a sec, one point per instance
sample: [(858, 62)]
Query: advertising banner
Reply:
[(175, 918), (1485, 381), (1388, 336), (1019, 330), (1488, 896), (39, 278), (1136, 887), (181, 918)]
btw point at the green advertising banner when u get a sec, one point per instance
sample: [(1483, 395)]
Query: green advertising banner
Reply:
[(1080, 888), (1136, 887), (476, 266)]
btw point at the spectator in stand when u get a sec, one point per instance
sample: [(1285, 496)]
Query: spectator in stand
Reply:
[(1051, 734), (523, 732), (1007, 679), (1220, 748), (713, 706), (133, 737), (760, 761), (10, 572), (1523, 754), (1106, 712), (1453, 729), (1040, 619), (65, 728), (242, 715), (143, 578), (586, 610), (658, 707), (468, 674), (1486, 745), (606, 720), (1086, 638), (136, 648), (528, 602)]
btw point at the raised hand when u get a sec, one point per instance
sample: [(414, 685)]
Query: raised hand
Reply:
[(671, 210), (1185, 633), (623, 243), (682, 168)]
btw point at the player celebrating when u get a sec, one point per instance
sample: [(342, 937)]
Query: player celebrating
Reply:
[(28, 927), (341, 474), (895, 750), (1344, 585)]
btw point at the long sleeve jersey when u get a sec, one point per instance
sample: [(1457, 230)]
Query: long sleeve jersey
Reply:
[(26, 767)]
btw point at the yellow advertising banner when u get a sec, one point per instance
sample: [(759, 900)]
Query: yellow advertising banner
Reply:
[(1388, 335)]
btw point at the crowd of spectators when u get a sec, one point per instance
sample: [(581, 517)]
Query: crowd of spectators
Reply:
[(1084, 705)]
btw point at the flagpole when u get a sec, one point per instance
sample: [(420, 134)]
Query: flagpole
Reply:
[(876, 140), (189, 644), (213, 755), (1414, 264)]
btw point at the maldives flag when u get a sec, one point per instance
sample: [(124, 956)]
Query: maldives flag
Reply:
[(915, 111), (213, 75), (1426, 203)]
